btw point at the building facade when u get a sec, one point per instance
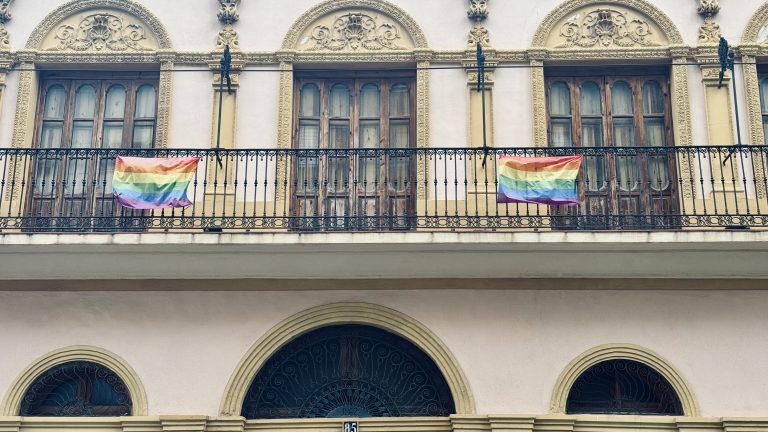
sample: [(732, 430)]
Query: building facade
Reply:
[(345, 256)]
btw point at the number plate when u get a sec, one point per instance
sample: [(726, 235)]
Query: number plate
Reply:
[(350, 426)]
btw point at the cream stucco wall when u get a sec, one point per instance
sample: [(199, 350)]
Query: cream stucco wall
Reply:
[(512, 345)]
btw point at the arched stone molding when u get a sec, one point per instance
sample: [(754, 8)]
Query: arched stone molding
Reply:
[(329, 7), (70, 9), (622, 352), (346, 313), (757, 24), (12, 402), (755, 45), (656, 18), (144, 40)]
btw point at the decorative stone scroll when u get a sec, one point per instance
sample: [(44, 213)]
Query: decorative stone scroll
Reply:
[(478, 10), (709, 32), (5, 16), (617, 25), (606, 28), (356, 31), (101, 32)]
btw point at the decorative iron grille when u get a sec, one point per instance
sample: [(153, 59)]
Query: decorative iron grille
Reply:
[(623, 387), (77, 389), (700, 187), (348, 371)]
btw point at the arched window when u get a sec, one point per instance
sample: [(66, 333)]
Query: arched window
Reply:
[(348, 371), (77, 389), (622, 387)]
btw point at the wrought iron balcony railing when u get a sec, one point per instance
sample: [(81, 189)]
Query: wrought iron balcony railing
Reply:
[(657, 188)]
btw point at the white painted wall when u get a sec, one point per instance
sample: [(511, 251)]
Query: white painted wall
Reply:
[(193, 27), (512, 345), (191, 108)]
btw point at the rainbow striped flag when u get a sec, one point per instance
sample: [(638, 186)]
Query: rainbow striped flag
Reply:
[(153, 183), (538, 180)]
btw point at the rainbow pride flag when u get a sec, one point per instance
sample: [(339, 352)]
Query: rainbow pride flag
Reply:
[(538, 180), (153, 183)]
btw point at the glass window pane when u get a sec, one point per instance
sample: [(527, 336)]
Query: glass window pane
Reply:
[(339, 134), (309, 134), (310, 101), (338, 174), (627, 173), (369, 134), (85, 102), (339, 101), (307, 175), (560, 99), (399, 101), (82, 134), (624, 132), (368, 168), (75, 181), (764, 95), (653, 98), (399, 134), (45, 176), (115, 106), (765, 129), (655, 135), (54, 103), (113, 135), (369, 101), (561, 133), (591, 103), (143, 134), (621, 99), (399, 174), (50, 137), (106, 172), (592, 132), (146, 100)]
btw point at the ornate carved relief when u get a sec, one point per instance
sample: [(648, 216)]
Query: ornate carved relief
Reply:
[(228, 13), (300, 37), (479, 34), (128, 10), (228, 36), (664, 31), (757, 29), (422, 123), (539, 104), (478, 10), (709, 32), (5, 16), (606, 28), (681, 115), (708, 8), (355, 31), (101, 32)]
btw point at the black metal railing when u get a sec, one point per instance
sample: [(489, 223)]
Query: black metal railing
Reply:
[(657, 188)]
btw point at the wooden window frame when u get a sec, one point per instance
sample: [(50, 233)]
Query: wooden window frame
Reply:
[(646, 195), (91, 199), (355, 81)]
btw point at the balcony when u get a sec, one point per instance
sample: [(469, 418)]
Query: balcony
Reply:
[(389, 190), (691, 213)]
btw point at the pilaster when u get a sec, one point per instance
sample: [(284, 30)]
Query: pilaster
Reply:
[(189, 423)]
